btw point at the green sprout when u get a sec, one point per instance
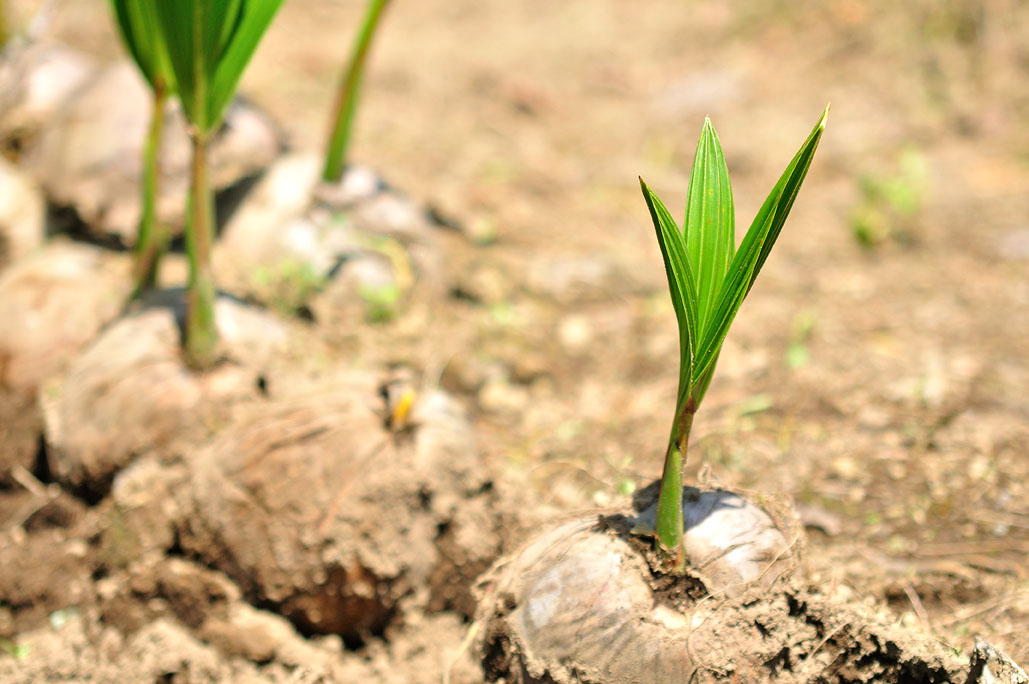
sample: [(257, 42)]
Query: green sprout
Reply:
[(891, 202), (288, 285), (137, 22), (709, 279), (209, 44), (346, 97)]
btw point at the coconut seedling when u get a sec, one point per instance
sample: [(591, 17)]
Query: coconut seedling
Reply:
[(209, 44), (137, 24), (579, 602), (708, 278), (346, 96)]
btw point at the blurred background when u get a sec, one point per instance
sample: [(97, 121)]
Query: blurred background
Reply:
[(877, 373)]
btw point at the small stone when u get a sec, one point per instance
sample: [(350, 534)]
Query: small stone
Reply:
[(358, 184), (35, 82), (253, 642), (575, 333), (22, 214)]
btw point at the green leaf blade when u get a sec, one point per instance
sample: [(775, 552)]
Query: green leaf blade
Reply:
[(754, 249), (681, 284), (254, 18), (210, 43), (709, 224), (790, 181), (178, 26), (138, 25)]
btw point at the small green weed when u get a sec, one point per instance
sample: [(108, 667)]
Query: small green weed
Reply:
[(891, 203), (381, 302), (289, 285)]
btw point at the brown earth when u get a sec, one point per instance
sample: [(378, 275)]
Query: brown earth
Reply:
[(877, 375)]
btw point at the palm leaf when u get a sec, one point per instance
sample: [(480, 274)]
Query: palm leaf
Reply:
[(754, 250), (681, 283), (138, 25), (251, 23), (210, 43), (709, 224)]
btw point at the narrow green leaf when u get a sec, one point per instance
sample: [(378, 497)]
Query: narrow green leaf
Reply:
[(253, 21), (209, 44), (681, 284), (699, 385), (754, 250), (709, 223), (346, 96), (790, 183), (137, 23), (180, 23)]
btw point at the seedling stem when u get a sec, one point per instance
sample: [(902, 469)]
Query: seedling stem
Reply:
[(346, 97), (153, 238), (201, 331)]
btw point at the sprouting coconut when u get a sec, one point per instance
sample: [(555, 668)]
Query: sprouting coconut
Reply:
[(691, 585), (172, 371)]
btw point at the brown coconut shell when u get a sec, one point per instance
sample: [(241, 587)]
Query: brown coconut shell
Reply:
[(589, 602)]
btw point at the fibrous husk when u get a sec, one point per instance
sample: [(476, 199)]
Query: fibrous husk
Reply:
[(589, 602), (348, 250), (131, 392), (315, 507), (52, 303)]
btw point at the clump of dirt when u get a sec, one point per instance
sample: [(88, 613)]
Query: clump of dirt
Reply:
[(131, 393), (20, 427), (245, 646), (339, 516), (584, 603), (344, 252), (45, 569), (22, 213), (52, 303)]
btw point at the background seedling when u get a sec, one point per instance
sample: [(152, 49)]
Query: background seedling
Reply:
[(288, 285), (891, 202), (137, 23), (797, 352), (209, 44), (708, 279), (346, 98)]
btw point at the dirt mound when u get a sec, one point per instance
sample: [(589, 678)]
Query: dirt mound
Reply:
[(586, 602), (52, 303), (318, 508), (346, 252), (247, 646), (130, 392)]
